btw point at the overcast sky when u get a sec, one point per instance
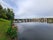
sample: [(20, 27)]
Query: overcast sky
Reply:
[(30, 8)]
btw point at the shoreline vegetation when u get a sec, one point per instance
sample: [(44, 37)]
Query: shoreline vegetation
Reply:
[(7, 29)]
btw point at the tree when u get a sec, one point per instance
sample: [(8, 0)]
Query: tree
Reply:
[(6, 13), (3, 15), (10, 14), (1, 8)]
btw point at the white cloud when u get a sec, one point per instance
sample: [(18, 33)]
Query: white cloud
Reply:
[(33, 8), (4, 4)]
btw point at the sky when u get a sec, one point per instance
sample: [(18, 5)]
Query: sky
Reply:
[(30, 8)]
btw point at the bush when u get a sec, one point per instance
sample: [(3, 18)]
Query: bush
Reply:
[(12, 32)]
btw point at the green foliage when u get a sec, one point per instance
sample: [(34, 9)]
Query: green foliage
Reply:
[(12, 32), (49, 20), (6, 13), (5, 16)]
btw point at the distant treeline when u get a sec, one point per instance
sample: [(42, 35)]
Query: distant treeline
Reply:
[(49, 20), (6, 13)]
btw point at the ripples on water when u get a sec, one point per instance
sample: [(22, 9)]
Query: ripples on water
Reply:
[(35, 31)]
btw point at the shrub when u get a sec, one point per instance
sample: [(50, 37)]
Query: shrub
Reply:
[(12, 32)]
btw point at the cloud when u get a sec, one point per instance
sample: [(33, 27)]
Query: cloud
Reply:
[(4, 4), (34, 8), (31, 8)]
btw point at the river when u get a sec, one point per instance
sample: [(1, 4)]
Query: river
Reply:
[(35, 31)]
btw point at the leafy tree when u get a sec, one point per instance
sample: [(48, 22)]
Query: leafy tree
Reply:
[(1, 8), (3, 15), (6, 13), (10, 14)]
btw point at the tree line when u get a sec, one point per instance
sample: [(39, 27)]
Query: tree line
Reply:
[(6, 13)]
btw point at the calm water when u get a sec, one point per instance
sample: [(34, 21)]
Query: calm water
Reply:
[(35, 31)]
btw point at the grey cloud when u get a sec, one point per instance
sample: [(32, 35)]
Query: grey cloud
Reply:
[(33, 8), (36, 8)]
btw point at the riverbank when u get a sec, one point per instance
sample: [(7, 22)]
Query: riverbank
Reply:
[(4, 25)]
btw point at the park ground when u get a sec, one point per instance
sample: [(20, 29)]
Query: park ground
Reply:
[(4, 25)]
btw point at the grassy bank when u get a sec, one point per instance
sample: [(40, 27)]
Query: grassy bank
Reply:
[(4, 25)]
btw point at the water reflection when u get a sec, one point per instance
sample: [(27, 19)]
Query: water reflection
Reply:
[(35, 31)]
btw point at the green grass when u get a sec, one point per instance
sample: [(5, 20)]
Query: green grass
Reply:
[(4, 25)]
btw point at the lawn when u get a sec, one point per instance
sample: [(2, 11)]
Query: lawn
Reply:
[(4, 25)]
